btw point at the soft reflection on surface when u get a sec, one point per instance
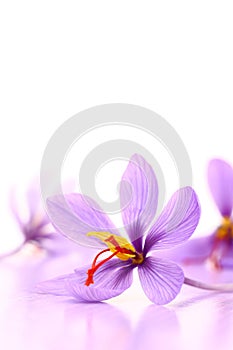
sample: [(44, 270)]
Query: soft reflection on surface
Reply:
[(103, 327), (195, 320), (221, 330), (43, 323), (153, 328), (23, 271)]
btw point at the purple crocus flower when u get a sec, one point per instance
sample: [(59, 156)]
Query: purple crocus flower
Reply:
[(36, 227), (215, 249), (81, 219)]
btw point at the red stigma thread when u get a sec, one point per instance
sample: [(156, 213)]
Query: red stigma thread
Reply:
[(94, 267)]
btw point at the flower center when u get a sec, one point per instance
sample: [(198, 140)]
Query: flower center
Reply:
[(225, 231), (119, 246)]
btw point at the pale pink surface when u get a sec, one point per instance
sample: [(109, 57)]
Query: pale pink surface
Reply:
[(196, 320)]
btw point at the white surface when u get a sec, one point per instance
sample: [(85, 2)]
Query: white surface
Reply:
[(194, 320)]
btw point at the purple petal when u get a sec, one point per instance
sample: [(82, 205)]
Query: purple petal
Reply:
[(201, 250), (226, 261), (222, 253), (161, 280), (220, 178), (194, 251), (110, 280), (33, 198), (15, 208), (176, 223), (36, 218), (56, 286), (56, 244), (139, 196), (74, 215)]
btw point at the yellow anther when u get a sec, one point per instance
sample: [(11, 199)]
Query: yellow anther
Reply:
[(114, 242), (226, 229)]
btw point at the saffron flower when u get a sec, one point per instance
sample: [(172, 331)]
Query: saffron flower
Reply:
[(82, 220), (215, 249), (36, 227)]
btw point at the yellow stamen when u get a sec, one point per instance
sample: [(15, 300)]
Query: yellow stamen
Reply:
[(138, 259), (119, 246), (226, 229), (113, 242)]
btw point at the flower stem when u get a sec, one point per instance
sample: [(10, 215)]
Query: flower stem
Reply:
[(227, 287)]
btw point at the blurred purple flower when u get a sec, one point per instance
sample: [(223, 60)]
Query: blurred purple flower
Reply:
[(79, 216), (215, 249), (36, 227)]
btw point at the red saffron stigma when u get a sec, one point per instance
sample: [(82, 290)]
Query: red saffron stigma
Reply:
[(94, 267), (112, 240)]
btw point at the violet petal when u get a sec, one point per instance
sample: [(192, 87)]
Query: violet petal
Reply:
[(15, 209), (56, 286), (176, 223), (193, 251), (161, 280), (220, 178), (33, 198), (139, 196), (74, 215), (110, 280)]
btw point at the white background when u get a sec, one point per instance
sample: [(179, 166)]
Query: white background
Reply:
[(60, 57)]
